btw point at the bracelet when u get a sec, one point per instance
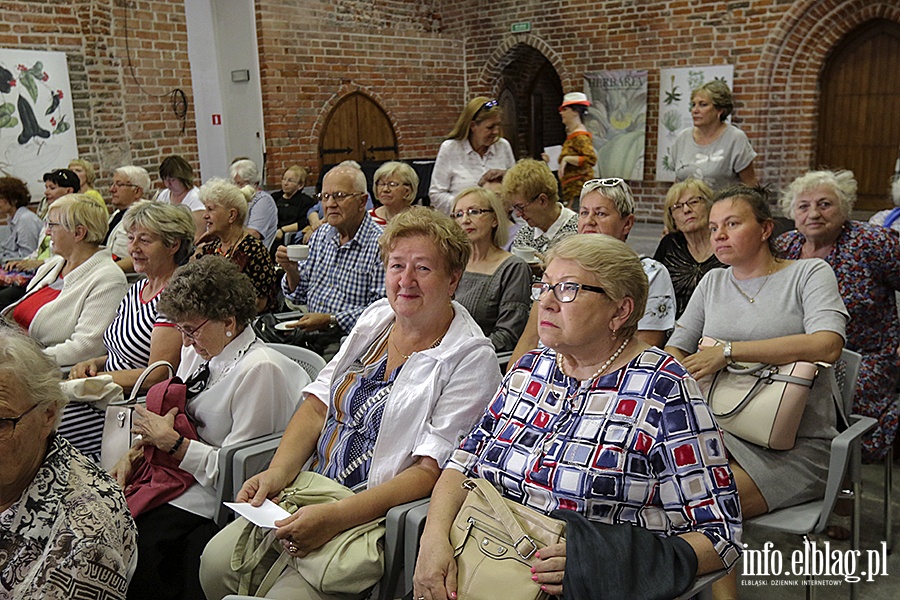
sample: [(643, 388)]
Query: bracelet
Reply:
[(177, 445), (726, 352), (332, 321)]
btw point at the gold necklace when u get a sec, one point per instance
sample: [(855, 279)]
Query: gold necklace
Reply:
[(602, 368), (434, 344), (744, 294)]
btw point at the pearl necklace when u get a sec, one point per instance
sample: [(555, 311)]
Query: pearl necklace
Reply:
[(744, 294), (602, 368)]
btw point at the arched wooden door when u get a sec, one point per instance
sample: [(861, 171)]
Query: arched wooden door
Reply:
[(357, 129), (859, 114)]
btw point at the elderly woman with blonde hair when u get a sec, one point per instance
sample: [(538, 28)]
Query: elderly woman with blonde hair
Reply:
[(686, 251), (474, 153), (532, 192), (74, 295), (86, 176), (262, 214), (396, 184), (864, 259), (225, 216), (380, 419), (495, 287)]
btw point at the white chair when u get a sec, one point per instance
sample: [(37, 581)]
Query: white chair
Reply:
[(812, 517), (311, 362)]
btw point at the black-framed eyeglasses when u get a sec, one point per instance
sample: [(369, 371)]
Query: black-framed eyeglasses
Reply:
[(564, 291), (471, 212), (191, 334), (337, 196), (51, 224), (117, 184), (8, 424), (520, 208), (691, 203)]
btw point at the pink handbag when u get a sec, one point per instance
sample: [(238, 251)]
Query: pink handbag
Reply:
[(762, 404)]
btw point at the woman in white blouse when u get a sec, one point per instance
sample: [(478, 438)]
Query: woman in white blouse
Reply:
[(238, 389), (472, 154)]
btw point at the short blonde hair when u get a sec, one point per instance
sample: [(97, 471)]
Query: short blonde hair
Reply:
[(530, 178), (677, 190), (173, 223), (843, 183), (89, 172), (405, 173), (616, 266), (73, 210), (447, 235), (222, 192), (501, 232)]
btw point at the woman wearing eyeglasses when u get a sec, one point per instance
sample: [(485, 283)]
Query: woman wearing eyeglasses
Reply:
[(603, 431), (396, 184), (224, 217), (495, 285), (686, 250), (472, 154), (531, 190), (74, 295)]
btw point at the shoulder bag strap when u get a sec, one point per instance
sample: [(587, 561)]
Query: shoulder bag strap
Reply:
[(135, 391), (747, 397), (524, 544)]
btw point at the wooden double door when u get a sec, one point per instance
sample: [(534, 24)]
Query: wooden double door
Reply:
[(357, 129)]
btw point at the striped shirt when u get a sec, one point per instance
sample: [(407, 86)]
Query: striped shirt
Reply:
[(127, 339)]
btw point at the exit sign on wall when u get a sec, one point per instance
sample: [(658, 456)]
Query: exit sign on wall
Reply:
[(522, 27)]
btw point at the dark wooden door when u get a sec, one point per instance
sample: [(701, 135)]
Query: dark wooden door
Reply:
[(357, 129), (859, 112)]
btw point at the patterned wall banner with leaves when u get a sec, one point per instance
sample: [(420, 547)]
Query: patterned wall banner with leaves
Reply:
[(675, 87), (36, 131), (618, 119)]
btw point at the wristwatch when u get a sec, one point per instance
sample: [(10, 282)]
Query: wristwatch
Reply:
[(726, 352)]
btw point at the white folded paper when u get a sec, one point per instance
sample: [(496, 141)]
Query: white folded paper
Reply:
[(264, 515)]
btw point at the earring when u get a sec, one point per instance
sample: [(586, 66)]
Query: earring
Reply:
[(614, 333), (227, 334)]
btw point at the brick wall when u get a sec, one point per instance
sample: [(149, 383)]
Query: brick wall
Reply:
[(116, 121), (409, 57)]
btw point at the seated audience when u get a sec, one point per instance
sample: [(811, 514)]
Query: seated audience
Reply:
[(24, 226), (84, 169), (531, 189), (238, 389), (262, 214), (73, 297), (685, 251), (588, 429), (224, 217), (865, 260), (178, 178), (292, 204), (67, 532), (474, 153), (129, 185), (607, 206), (396, 184), (343, 274), (798, 315), (496, 285), (381, 418), (160, 239)]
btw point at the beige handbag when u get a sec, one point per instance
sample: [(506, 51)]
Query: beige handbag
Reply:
[(762, 404), (98, 391), (494, 541), (350, 563)]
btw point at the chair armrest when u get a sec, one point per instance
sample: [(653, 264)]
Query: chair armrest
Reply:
[(225, 491), (394, 540), (702, 586)]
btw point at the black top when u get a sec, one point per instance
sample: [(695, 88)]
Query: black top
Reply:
[(684, 270), (293, 209)]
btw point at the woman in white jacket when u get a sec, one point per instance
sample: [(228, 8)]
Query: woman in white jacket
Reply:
[(383, 416), (74, 295)]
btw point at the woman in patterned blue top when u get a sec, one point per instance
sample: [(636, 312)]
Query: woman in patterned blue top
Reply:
[(597, 422)]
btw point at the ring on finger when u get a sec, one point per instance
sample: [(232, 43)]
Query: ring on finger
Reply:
[(292, 547)]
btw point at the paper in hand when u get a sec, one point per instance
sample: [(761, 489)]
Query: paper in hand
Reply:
[(264, 515)]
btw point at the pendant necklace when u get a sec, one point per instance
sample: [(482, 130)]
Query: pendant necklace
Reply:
[(752, 298)]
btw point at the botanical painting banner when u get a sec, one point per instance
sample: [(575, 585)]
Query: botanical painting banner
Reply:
[(618, 119), (675, 87), (37, 133)]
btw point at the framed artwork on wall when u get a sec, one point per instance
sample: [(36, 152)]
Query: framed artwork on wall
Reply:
[(617, 118)]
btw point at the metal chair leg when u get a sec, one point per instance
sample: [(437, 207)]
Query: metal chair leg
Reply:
[(855, 524)]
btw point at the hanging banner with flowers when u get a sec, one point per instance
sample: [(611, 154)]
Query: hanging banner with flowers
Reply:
[(618, 120), (675, 87), (37, 133)]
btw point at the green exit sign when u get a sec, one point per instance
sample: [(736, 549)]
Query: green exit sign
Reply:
[(522, 27)]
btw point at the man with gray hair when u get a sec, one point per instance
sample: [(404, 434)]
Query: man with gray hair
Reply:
[(344, 273), (67, 531), (129, 184)]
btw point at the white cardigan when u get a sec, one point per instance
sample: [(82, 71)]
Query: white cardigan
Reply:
[(71, 327), (436, 399)]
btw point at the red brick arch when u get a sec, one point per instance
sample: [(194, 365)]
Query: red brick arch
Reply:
[(345, 90), (788, 73), (504, 53)]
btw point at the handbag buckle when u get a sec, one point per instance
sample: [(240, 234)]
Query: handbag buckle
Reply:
[(120, 417), (531, 552)]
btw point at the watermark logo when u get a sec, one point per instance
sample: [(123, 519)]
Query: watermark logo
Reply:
[(815, 560)]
